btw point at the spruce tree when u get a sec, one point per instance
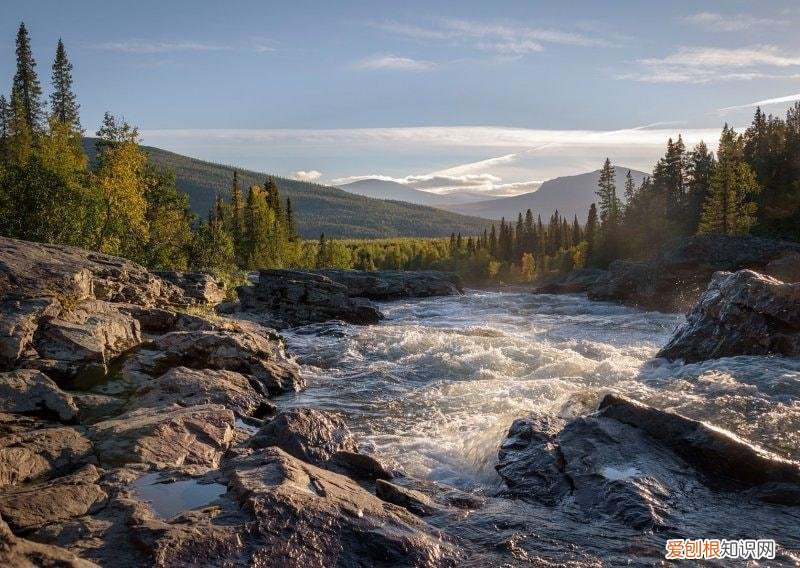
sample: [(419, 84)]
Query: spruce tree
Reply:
[(630, 187), (607, 192), (236, 226), (5, 129), (590, 232), (291, 229), (63, 105), (26, 85)]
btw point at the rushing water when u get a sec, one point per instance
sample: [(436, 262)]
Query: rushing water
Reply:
[(434, 388)]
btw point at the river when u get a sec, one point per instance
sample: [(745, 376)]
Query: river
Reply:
[(434, 388)]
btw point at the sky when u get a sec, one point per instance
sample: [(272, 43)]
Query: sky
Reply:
[(443, 96)]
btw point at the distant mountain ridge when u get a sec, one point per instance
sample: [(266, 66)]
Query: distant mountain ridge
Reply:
[(392, 190), (318, 208), (570, 195)]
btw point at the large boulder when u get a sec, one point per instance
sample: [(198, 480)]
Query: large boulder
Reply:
[(642, 466), (674, 279), (71, 274), (260, 355), (198, 287), (296, 298), (28, 391), (19, 319), (385, 285), (310, 516), (741, 313), (194, 436), (191, 387)]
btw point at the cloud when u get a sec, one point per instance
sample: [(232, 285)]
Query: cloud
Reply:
[(143, 46), (713, 21), (711, 64), (393, 62), (500, 38), (765, 102), (310, 175)]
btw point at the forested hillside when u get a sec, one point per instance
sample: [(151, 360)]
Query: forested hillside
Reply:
[(318, 208)]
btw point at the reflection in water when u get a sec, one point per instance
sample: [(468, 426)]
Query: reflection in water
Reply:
[(169, 499)]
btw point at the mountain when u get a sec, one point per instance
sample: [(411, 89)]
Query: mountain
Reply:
[(318, 208), (387, 189), (571, 195)]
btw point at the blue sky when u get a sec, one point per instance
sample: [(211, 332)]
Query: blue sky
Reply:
[(440, 95)]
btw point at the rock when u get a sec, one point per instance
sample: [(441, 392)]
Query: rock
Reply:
[(415, 501), (93, 407), (573, 282), (241, 351), (313, 436), (33, 506), (86, 338), (199, 287), (360, 466), (32, 392), (299, 298), (741, 313), (191, 387), (309, 516), (19, 318), (642, 466), (725, 460), (71, 274), (385, 285), (194, 436), (674, 279), (36, 452), (786, 267), (22, 553), (531, 462), (151, 320)]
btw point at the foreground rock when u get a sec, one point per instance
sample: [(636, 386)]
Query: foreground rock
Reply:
[(198, 287), (643, 466), (296, 298), (24, 553), (741, 313), (32, 392), (674, 280), (195, 436)]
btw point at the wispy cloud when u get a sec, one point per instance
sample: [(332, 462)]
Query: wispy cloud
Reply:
[(709, 64), (393, 62), (307, 175), (500, 38), (765, 102), (713, 21), (142, 46)]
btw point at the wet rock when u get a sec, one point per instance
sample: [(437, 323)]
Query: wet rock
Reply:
[(313, 436), (19, 318), (37, 270), (309, 516), (194, 436), (573, 282), (32, 392), (531, 462), (360, 466), (385, 285), (36, 452), (22, 553), (642, 466), (741, 313), (410, 499), (32, 506), (299, 298), (86, 338), (199, 287), (191, 387), (241, 351), (676, 277)]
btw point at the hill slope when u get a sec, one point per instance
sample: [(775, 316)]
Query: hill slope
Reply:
[(386, 189), (318, 208), (571, 195)]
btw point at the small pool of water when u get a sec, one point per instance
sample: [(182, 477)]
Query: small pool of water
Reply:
[(170, 498)]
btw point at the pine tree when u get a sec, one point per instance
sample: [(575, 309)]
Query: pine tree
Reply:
[(590, 232), (291, 229), (236, 226), (5, 130), (493, 242), (728, 208), (323, 251), (26, 85), (63, 105), (700, 168), (630, 187), (607, 192)]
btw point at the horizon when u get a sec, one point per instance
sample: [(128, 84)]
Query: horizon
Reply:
[(443, 99)]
